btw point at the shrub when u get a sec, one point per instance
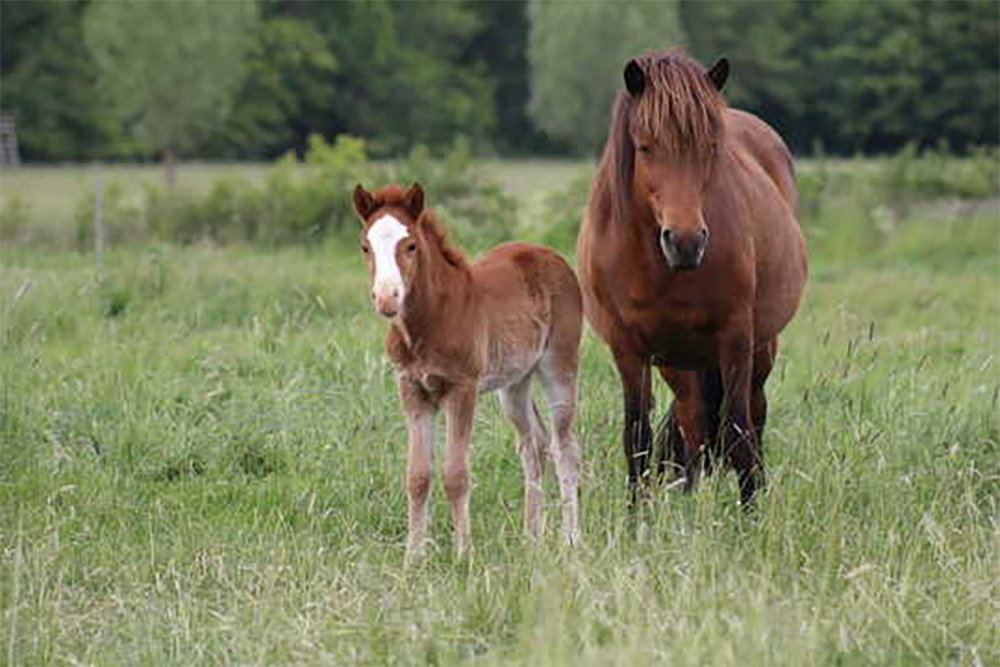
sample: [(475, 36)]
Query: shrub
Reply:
[(123, 219), (562, 214), (933, 174), (14, 216), (476, 211), (305, 201)]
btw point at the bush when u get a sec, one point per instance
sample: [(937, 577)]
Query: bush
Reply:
[(14, 216), (124, 220), (934, 174), (562, 213), (304, 202), (475, 211)]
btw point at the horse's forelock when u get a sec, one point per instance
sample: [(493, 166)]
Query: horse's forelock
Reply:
[(680, 108)]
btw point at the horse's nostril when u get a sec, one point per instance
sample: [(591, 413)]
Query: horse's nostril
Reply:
[(665, 235)]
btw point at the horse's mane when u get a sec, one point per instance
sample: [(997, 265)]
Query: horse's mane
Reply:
[(395, 196), (681, 111)]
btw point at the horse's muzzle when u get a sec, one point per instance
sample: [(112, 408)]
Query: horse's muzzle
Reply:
[(684, 252), (387, 301)]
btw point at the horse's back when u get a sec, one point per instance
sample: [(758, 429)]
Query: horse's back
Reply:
[(524, 285), (768, 149), (523, 267)]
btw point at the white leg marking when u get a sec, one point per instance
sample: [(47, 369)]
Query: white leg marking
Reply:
[(560, 392)]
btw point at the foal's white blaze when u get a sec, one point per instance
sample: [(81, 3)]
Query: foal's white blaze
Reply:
[(387, 288)]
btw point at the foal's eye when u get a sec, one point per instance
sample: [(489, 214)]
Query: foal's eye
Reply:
[(411, 248), (645, 149), (364, 249)]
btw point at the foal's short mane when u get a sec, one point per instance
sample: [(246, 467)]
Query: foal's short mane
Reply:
[(430, 226), (681, 111)]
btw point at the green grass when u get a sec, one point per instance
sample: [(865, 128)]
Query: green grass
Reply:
[(202, 462)]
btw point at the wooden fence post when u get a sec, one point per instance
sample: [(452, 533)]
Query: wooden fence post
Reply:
[(100, 238)]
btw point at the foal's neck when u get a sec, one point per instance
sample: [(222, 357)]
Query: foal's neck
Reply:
[(439, 300)]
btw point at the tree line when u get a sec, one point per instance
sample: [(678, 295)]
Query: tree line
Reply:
[(94, 81)]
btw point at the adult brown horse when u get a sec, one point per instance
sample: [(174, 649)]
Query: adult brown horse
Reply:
[(692, 261)]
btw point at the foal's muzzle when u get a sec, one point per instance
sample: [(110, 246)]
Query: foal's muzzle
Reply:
[(684, 251), (388, 301)]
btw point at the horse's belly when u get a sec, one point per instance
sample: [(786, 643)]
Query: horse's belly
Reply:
[(508, 363), (683, 349)]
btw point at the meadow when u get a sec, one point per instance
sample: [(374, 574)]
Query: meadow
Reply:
[(202, 456)]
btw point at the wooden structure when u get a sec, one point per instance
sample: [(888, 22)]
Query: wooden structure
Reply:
[(9, 153)]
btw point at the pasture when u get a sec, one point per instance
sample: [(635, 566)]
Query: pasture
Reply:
[(203, 458)]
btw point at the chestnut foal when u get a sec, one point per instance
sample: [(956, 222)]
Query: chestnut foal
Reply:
[(459, 329)]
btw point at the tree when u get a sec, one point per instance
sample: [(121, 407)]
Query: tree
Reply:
[(405, 76), (170, 69), (577, 52), (502, 46), (859, 76), (287, 87), (48, 80)]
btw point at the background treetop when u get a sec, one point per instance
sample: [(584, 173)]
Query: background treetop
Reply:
[(513, 77)]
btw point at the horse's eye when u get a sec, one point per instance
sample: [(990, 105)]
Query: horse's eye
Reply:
[(411, 248), (364, 249), (645, 149)]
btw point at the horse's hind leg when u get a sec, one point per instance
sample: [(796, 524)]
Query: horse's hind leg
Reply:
[(689, 414), (669, 445), (710, 384), (763, 362), (520, 410), (558, 379)]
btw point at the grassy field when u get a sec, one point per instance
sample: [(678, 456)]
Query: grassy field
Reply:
[(202, 462)]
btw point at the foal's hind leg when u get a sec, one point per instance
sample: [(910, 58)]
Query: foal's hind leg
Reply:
[(558, 379), (520, 410)]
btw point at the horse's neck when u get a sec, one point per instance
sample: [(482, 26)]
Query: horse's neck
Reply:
[(439, 301)]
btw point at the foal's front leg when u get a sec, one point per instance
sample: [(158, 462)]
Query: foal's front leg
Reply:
[(460, 407), (420, 414)]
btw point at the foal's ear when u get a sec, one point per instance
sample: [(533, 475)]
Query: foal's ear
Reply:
[(413, 200), (364, 202), (635, 79), (719, 73)]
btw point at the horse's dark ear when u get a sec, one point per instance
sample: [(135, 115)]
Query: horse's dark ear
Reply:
[(719, 73), (414, 200), (364, 202), (635, 79)]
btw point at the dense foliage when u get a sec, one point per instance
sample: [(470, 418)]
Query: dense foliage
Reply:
[(520, 76), (168, 69)]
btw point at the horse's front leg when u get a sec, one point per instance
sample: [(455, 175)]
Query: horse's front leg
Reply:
[(739, 437), (420, 415), (637, 436), (460, 408)]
